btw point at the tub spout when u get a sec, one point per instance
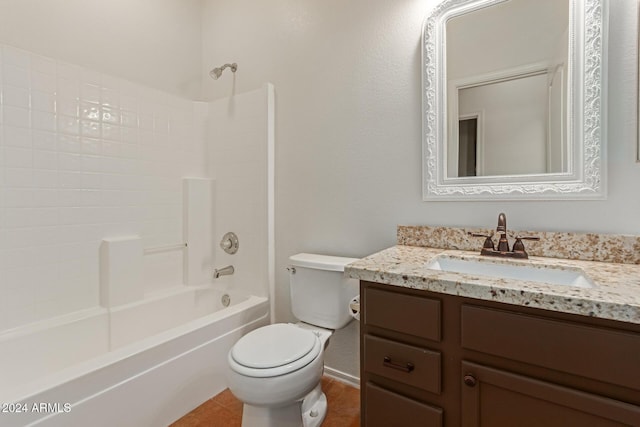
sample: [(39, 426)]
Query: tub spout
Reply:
[(224, 271)]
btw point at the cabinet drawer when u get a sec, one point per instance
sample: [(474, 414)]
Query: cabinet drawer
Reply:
[(583, 350), (387, 409), (404, 363), (403, 313)]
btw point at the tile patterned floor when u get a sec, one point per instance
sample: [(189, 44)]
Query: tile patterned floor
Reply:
[(224, 410)]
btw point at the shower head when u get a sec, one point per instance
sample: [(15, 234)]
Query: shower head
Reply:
[(217, 72)]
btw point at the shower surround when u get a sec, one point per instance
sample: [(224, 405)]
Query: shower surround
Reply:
[(88, 159), (85, 156)]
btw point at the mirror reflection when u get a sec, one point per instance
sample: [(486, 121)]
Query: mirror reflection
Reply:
[(507, 89)]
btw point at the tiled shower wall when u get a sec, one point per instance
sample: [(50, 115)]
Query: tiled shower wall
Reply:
[(83, 156)]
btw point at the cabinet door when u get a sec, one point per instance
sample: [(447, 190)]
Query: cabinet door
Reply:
[(495, 398), (387, 409)]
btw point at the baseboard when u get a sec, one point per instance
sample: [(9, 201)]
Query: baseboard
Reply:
[(343, 377)]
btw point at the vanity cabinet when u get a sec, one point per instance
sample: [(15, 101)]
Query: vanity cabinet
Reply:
[(430, 359), (495, 397)]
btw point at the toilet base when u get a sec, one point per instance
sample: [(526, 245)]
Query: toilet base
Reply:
[(308, 412), (314, 408)]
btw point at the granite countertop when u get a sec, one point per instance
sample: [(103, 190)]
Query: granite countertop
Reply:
[(616, 295)]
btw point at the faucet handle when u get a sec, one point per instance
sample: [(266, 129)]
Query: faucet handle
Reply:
[(488, 243), (518, 246)]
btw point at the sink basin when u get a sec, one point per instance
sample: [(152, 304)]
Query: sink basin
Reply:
[(538, 273)]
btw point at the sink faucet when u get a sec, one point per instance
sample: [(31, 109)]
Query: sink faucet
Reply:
[(517, 251), (501, 229), (224, 271)]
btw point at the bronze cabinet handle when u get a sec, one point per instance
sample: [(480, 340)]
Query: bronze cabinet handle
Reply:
[(405, 367), (470, 380)]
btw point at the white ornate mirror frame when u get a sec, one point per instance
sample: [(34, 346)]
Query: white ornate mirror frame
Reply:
[(586, 114)]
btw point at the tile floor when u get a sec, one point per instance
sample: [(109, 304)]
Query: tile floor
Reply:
[(224, 410)]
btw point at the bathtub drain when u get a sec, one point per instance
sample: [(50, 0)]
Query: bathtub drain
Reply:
[(226, 300)]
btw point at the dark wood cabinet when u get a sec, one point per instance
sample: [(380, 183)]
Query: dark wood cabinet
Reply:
[(389, 409), (411, 365), (430, 359), (493, 397)]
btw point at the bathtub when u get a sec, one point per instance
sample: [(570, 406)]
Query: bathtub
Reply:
[(140, 364)]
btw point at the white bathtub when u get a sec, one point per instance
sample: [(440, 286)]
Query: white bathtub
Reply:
[(141, 364)]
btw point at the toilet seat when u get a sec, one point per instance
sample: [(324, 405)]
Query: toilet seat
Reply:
[(274, 350)]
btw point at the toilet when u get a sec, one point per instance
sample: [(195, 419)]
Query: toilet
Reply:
[(275, 370)]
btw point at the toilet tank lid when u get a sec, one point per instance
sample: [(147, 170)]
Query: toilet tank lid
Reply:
[(320, 262)]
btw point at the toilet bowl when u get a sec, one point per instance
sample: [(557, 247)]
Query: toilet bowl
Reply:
[(275, 370)]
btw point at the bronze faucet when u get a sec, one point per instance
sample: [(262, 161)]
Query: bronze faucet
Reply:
[(503, 243), (517, 251)]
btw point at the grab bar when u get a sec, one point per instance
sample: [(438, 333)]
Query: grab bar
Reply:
[(166, 248)]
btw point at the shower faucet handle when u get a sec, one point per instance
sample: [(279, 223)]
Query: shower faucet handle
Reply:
[(230, 243)]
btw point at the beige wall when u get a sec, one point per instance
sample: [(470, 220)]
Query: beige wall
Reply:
[(156, 43), (507, 35), (348, 128), (348, 110)]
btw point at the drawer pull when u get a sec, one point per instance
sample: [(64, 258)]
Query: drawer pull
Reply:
[(405, 367), (470, 380)]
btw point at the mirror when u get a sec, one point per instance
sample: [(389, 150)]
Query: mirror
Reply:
[(513, 99)]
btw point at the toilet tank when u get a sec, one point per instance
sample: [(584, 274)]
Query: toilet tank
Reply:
[(320, 293)]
